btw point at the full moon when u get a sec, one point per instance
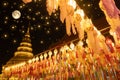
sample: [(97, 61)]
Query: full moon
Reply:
[(16, 14)]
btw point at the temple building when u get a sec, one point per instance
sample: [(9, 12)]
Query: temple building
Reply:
[(23, 53)]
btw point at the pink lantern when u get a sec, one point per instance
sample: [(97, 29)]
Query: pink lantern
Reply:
[(27, 1), (110, 44)]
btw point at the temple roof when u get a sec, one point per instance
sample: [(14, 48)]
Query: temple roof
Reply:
[(24, 51)]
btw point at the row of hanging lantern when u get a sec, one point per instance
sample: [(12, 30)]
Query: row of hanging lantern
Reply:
[(73, 61), (70, 13), (100, 60)]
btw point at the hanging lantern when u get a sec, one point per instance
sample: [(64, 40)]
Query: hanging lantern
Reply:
[(72, 46), (30, 61), (66, 47), (41, 57), (80, 43), (27, 1), (80, 12), (72, 3), (37, 59), (33, 60), (45, 55), (55, 52), (61, 49), (50, 54), (110, 44)]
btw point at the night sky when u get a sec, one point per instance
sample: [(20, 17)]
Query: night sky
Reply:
[(45, 30)]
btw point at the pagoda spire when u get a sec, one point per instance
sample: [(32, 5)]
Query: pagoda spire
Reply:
[(25, 48), (28, 30), (24, 51)]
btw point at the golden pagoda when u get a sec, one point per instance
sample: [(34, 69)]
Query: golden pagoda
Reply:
[(23, 53)]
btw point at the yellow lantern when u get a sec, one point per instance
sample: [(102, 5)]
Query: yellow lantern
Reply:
[(27, 1)]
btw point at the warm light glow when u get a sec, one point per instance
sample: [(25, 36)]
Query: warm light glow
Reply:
[(98, 32), (55, 52), (6, 69), (61, 49), (72, 3), (33, 60), (15, 66), (72, 46), (21, 53), (66, 47), (21, 64), (50, 54), (41, 57), (45, 55), (22, 47), (81, 12), (67, 55), (26, 44), (27, 1), (29, 61), (37, 58), (56, 6), (80, 43), (112, 32)]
